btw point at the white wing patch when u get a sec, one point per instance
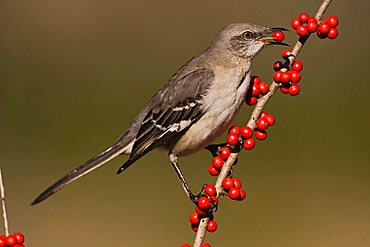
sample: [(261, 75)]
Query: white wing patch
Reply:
[(186, 107)]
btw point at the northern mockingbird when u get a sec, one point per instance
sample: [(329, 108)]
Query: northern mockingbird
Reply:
[(193, 108)]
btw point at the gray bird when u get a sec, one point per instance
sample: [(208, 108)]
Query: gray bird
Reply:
[(193, 108)]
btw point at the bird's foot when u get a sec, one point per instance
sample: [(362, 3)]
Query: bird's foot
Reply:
[(205, 203), (215, 149)]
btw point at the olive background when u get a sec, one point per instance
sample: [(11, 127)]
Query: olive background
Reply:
[(74, 73)]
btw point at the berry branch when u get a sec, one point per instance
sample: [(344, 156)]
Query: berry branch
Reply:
[(15, 239), (284, 79), (2, 193)]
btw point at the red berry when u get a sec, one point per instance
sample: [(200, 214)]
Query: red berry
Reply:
[(333, 33), (246, 132), (194, 218), (234, 193), (211, 226), (255, 90), (264, 88), (312, 25), (324, 28), (302, 31), (297, 65), (312, 19), (19, 245), (200, 211), (255, 79), (11, 240), (294, 89), (260, 134), (277, 76), (295, 23), (270, 119), (321, 35), (225, 153), (2, 241), (237, 183), (286, 53), (186, 245), (262, 123), (235, 130), (263, 114), (195, 227), (303, 17), (251, 100), (232, 139), (284, 89), (242, 195), (215, 199), (217, 162), (249, 144), (210, 190), (206, 245), (204, 203), (213, 171), (332, 21), (285, 77), (278, 65), (294, 76), (228, 183), (20, 237), (278, 36)]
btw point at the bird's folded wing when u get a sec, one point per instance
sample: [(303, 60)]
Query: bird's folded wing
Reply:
[(174, 109)]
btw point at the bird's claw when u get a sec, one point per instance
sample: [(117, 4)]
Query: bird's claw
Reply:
[(213, 199), (194, 198), (215, 148)]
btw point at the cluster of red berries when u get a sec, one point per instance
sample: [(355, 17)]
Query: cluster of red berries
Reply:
[(217, 162), (246, 133), (14, 240), (233, 188), (328, 28), (256, 88), (288, 77), (204, 207), (305, 24), (203, 245)]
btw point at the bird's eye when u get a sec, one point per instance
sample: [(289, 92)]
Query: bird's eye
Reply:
[(247, 34)]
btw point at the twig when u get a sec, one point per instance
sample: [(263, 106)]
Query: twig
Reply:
[(223, 174), (2, 193), (252, 124)]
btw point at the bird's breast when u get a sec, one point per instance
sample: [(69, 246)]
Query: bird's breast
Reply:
[(220, 105)]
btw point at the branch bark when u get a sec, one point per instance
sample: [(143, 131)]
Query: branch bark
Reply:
[(252, 124), (2, 194)]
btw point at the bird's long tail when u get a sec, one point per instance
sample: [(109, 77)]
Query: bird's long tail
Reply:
[(90, 165)]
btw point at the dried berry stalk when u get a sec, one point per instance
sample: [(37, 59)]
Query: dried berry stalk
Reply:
[(2, 194)]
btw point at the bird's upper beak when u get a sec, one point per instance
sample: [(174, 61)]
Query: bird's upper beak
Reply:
[(269, 40)]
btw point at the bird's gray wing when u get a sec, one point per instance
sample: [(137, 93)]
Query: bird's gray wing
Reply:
[(174, 109)]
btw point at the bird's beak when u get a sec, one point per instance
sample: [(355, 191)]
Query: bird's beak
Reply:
[(269, 40)]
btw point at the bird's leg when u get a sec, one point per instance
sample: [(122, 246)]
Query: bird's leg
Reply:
[(192, 197), (185, 186)]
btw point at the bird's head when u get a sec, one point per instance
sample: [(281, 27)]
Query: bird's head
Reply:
[(246, 39)]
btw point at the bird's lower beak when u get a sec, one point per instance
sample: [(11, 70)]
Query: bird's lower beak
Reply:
[(269, 40)]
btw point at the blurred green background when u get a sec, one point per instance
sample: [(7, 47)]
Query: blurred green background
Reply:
[(74, 73)]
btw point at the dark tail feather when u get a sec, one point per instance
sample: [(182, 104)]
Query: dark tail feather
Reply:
[(126, 165), (87, 167)]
